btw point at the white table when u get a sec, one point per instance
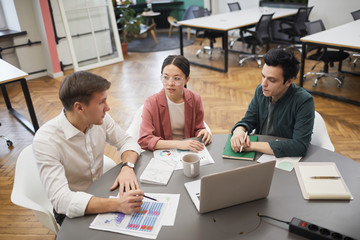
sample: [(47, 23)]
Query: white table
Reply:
[(229, 21), (344, 37), (10, 74)]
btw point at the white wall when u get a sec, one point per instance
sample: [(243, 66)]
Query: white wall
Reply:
[(31, 58), (10, 15), (332, 12)]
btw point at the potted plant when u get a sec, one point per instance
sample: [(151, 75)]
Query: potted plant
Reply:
[(129, 23)]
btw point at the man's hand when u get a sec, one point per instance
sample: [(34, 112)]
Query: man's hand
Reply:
[(237, 139), (126, 180), (131, 201), (206, 139)]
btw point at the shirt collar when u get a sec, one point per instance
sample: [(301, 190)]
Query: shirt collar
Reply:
[(68, 129)]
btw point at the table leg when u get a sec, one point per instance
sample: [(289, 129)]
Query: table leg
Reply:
[(29, 104), (6, 96), (31, 127), (302, 66), (181, 41), (226, 50)]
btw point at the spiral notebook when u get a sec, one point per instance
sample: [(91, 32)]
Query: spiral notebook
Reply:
[(321, 180)]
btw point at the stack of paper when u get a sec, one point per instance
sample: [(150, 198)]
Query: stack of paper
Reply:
[(321, 180), (158, 171)]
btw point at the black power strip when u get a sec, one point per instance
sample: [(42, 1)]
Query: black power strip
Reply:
[(314, 232)]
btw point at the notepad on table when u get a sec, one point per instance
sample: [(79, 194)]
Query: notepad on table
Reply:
[(321, 180), (229, 153), (158, 171)]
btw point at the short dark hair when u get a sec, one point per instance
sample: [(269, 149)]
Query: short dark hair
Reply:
[(79, 87), (285, 59), (178, 60)]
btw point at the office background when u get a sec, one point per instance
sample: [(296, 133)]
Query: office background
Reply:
[(225, 98)]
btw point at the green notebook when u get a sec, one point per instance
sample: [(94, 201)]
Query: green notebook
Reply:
[(229, 153)]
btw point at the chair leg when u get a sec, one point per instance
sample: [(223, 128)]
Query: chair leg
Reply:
[(153, 35), (170, 30), (188, 33)]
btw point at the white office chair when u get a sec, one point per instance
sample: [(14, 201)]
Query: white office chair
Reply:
[(28, 191), (134, 128), (320, 136)]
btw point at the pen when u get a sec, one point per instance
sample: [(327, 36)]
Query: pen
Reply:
[(325, 177), (150, 198), (246, 133)]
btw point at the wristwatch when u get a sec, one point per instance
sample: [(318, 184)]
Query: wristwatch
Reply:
[(129, 164)]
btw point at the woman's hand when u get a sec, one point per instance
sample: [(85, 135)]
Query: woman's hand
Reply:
[(206, 136), (192, 145)]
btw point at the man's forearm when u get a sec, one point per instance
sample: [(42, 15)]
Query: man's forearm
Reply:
[(129, 156), (263, 147)]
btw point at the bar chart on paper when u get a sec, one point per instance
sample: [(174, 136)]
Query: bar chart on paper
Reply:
[(145, 223)]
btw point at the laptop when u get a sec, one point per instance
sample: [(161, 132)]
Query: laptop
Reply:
[(232, 187)]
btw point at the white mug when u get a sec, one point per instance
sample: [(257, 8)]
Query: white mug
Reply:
[(191, 164)]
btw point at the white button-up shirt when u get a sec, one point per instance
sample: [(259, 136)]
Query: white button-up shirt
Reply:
[(70, 160)]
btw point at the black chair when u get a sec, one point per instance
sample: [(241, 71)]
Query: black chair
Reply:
[(234, 6), (295, 27), (356, 16), (324, 55), (206, 34), (8, 141), (259, 37)]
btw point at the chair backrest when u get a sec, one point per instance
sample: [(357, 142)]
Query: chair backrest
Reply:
[(314, 26), (311, 28), (263, 27), (301, 17), (356, 14), (320, 136), (134, 128), (234, 6), (188, 14), (201, 12), (28, 191)]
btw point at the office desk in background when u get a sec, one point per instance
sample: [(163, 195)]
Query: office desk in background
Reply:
[(10, 74), (344, 37), (229, 21), (284, 202)]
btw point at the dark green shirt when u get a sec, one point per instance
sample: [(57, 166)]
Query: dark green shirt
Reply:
[(293, 118)]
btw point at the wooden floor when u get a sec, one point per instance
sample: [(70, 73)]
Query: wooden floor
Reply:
[(225, 98)]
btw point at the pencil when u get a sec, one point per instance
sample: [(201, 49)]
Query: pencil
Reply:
[(325, 177), (150, 198)]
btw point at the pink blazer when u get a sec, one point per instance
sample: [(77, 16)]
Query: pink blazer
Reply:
[(156, 124)]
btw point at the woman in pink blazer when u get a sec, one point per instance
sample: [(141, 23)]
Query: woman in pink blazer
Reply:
[(174, 113)]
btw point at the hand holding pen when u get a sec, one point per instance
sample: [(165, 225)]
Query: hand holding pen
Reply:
[(242, 146)]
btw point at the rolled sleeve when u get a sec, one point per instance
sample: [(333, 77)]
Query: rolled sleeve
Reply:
[(78, 204)]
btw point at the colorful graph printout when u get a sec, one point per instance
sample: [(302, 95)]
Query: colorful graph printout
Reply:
[(145, 223), (177, 154)]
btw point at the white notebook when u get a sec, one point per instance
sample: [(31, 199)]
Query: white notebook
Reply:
[(321, 180), (158, 171)]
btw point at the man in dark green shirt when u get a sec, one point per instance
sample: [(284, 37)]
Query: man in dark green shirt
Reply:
[(279, 108)]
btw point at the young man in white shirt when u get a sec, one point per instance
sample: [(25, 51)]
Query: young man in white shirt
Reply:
[(69, 151)]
